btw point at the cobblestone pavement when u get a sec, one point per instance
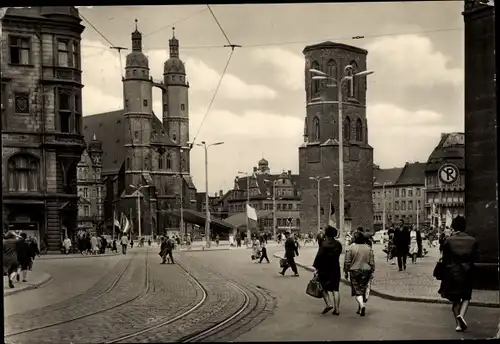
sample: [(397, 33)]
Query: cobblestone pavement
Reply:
[(416, 282), (298, 316)]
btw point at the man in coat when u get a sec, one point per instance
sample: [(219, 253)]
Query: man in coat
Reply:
[(10, 261), (291, 252), (402, 244)]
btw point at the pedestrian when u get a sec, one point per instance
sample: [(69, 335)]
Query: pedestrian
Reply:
[(359, 266), (263, 252), (188, 242), (169, 248), (217, 240), (401, 243), (415, 244), (290, 253), (178, 242), (460, 252), (67, 245), (124, 242), (114, 248), (10, 261), (24, 256), (163, 250), (34, 251), (256, 249), (320, 237), (149, 242), (327, 265), (104, 244), (296, 239), (132, 242)]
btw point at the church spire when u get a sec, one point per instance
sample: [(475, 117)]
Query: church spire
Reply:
[(174, 45), (136, 39)]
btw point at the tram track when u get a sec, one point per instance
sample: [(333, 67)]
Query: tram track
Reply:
[(108, 290)]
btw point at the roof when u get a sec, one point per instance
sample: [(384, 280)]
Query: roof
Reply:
[(386, 175), (260, 181), (412, 174), (450, 149), (333, 45), (109, 128)]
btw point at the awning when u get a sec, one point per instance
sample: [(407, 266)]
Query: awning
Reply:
[(239, 220), (198, 218)]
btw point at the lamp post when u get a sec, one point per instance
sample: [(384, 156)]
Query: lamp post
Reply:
[(318, 181), (207, 210), (138, 206), (417, 207), (274, 205), (181, 224), (247, 204), (323, 76)]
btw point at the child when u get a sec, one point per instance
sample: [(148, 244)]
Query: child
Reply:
[(114, 248)]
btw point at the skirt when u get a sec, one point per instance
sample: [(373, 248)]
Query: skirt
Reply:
[(359, 281)]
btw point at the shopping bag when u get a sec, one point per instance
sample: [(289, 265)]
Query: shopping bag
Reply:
[(314, 288), (438, 270), (283, 263)]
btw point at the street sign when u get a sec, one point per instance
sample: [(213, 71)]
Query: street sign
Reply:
[(448, 173)]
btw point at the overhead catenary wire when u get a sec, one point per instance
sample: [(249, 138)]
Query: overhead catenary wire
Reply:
[(220, 26)]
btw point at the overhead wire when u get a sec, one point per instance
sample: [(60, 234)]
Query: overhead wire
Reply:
[(220, 26)]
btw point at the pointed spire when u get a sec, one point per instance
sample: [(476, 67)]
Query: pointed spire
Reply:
[(173, 32), (136, 38), (174, 45)]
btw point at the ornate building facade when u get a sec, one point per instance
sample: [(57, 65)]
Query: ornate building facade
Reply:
[(318, 155), (41, 121), (144, 157), (91, 188)]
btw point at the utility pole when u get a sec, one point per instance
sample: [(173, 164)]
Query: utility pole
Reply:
[(119, 50)]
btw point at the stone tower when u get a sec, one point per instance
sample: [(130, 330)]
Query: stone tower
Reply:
[(137, 91), (318, 155), (176, 114)]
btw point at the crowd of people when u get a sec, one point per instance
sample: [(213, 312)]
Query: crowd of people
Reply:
[(19, 253)]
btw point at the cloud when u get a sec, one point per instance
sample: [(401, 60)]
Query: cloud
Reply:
[(398, 135), (411, 60), (289, 66)]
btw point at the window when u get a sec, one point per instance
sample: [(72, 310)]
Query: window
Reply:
[(63, 53), (403, 193), (145, 102), (23, 173), (76, 55), (347, 129), (353, 84), (359, 130), (403, 205), (410, 205), (86, 210), (22, 103), (418, 192), (20, 50), (64, 112), (396, 193), (174, 136), (396, 205), (160, 162), (316, 128), (169, 162), (418, 205), (183, 107), (315, 83), (86, 192), (389, 206), (332, 69), (410, 193)]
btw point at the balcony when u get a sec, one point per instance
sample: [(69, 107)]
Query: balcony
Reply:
[(62, 75)]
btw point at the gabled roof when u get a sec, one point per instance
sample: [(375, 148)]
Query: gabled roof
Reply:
[(412, 174), (387, 175), (260, 181)]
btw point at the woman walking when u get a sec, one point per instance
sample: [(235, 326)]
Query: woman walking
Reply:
[(460, 252), (24, 255), (415, 244), (327, 265), (359, 265)]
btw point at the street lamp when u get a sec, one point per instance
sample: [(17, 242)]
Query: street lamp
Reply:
[(417, 207), (181, 225), (323, 76), (207, 211), (318, 181), (248, 203), (139, 206), (274, 205)]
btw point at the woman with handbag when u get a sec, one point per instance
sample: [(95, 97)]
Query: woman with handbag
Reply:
[(327, 265), (456, 270), (359, 265)]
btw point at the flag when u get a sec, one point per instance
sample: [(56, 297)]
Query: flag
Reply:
[(125, 223), (251, 213), (331, 216), (448, 218), (117, 224)]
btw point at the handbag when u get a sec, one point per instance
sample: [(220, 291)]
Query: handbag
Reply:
[(439, 270), (283, 263), (314, 288)]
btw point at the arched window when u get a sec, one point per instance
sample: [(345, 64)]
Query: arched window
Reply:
[(359, 130), (315, 83), (23, 173), (160, 162), (169, 161), (354, 82), (347, 129), (332, 71), (316, 130)]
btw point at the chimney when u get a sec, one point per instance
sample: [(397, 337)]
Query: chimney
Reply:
[(220, 193), (289, 172), (255, 169)]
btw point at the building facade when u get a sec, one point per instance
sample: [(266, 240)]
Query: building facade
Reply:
[(384, 181), (41, 121), (481, 139), (318, 155), (445, 195), (409, 195), (145, 158), (91, 189)]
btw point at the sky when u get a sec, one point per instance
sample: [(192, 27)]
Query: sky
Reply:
[(416, 50)]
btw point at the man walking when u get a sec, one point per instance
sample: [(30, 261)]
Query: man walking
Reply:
[(402, 243), (263, 252), (169, 248), (124, 242), (291, 252)]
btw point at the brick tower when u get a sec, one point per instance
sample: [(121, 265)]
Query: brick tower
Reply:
[(318, 155)]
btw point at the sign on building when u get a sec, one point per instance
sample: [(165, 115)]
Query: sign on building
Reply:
[(448, 173)]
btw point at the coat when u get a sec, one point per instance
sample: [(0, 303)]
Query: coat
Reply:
[(10, 254), (23, 252), (327, 262), (291, 248), (402, 240)]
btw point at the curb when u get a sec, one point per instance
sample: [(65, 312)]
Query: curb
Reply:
[(77, 256), (44, 281), (402, 298), (207, 250)]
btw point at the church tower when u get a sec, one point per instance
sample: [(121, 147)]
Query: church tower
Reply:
[(176, 116), (138, 112)]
